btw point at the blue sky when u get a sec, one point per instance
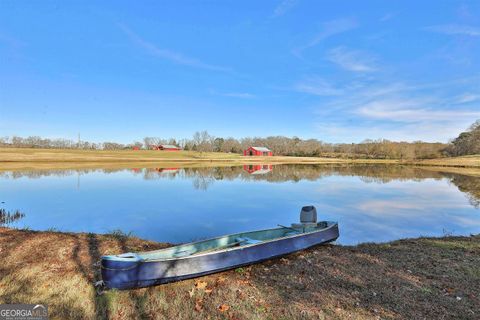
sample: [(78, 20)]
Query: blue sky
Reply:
[(339, 71)]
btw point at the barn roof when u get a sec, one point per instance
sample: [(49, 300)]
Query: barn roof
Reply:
[(169, 146), (262, 149)]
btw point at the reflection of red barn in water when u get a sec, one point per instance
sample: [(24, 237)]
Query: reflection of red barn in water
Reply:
[(258, 168), (166, 170)]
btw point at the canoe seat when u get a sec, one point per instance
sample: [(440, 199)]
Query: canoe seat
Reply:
[(183, 253), (293, 233), (245, 240)]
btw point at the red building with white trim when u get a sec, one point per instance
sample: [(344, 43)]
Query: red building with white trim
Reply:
[(258, 152), (165, 147)]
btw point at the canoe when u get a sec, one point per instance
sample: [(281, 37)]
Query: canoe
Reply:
[(135, 270)]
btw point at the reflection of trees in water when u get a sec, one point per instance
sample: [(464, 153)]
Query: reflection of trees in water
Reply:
[(282, 173), (367, 173), (202, 183), (37, 174), (204, 177), (159, 173), (468, 185), (7, 217)]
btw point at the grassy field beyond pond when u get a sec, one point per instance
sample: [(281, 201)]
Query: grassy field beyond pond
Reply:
[(426, 278), (40, 157)]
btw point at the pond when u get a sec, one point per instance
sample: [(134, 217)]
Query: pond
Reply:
[(371, 203)]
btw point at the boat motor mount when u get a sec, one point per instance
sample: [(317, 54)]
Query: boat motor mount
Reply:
[(308, 218), (308, 215)]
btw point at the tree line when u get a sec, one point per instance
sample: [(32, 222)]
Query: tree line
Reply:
[(466, 143)]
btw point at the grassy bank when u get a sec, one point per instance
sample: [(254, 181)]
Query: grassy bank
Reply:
[(41, 158), (465, 161), (434, 278)]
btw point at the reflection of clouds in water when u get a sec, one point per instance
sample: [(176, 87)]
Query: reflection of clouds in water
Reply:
[(239, 220), (467, 221), (403, 206), (207, 225), (371, 203), (388, 207), (381, 212)]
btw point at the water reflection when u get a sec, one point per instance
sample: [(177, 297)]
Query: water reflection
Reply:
[(8, 218), (258, 168), (371, 202)]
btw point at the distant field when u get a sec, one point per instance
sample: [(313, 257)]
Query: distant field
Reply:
[(466, 161), (31, 158), (73, 155)]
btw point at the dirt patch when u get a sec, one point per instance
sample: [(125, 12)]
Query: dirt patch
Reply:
[(426, 278)]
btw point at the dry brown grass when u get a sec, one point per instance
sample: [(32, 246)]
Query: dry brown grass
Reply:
[(466, 161), (432, 278), (27, 158)]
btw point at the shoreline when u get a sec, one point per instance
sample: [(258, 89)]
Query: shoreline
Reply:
[(409, 278), (54, 158)]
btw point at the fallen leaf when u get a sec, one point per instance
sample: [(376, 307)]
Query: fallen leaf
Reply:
[(201, 285), (221, 280), (198, 305), (223, 308), (208, 290), (449, 290), (243, 282)]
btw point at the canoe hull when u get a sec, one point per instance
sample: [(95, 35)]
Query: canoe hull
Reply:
[(128, 275)]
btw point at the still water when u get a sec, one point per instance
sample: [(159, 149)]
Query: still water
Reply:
[(371, 203)]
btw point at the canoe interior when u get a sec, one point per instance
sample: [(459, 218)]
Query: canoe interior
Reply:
[(233, 241)]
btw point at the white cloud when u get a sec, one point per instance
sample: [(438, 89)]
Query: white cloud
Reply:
[(411, 110), (283, 7), (370, 109), (329, 29), (454, 29), (242, 95), (467, 98), (167, 54), (387, 17), (318, 87), (352, 60)]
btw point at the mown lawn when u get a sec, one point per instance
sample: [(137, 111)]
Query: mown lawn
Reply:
[(426, 278)]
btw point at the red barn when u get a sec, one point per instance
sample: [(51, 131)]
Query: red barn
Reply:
[(169, 147), (165, 147), (258, 152)]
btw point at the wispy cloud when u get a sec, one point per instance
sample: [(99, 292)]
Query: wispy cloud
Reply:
[(329, 29), (11, 41), (241, 95), (411, 111), (386, 17), (467, 98), (397, 111), (167, 54), (352, 60), (283, 7), (455, 29), (317, 86)]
